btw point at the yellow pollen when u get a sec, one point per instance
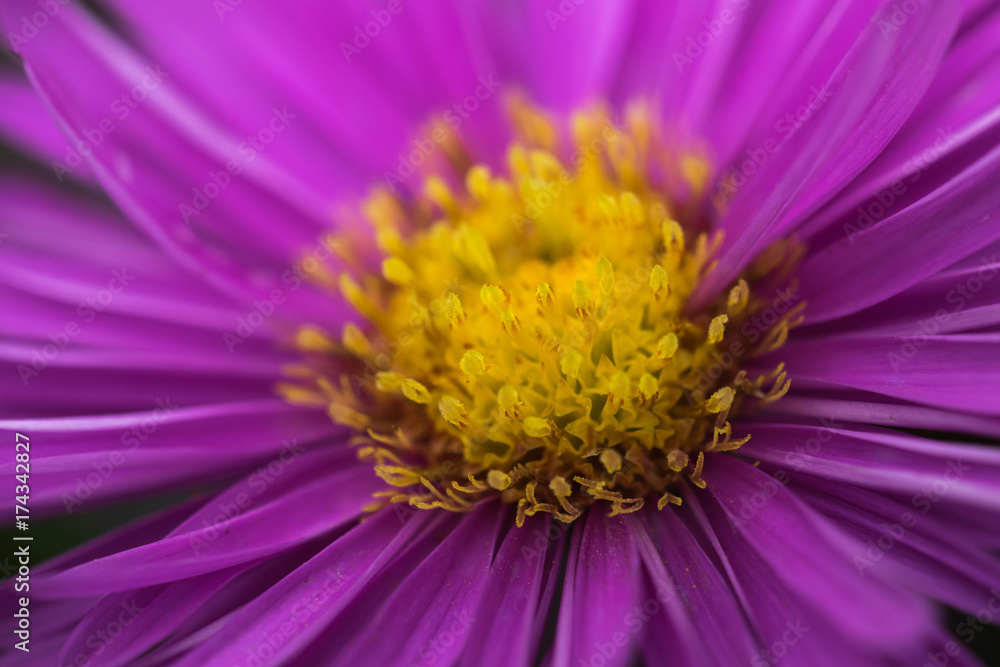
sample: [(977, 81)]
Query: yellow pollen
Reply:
[(314, 340), (356, 296), (396, 271), (388, 381), (667, 346), (537, 428), (677, 460), (717, 329), (530, 333), (493, 297), (612, 460), (498, 480), (473, 249), (453, 410), (618, 389), (544, 295), (473, 363), (648, 386), (508, 401), (477, 182), (673, 237), (720, 400), (415, 391), (738, 297), (354, 340), (453, 309), (569, 364), (605, 275), (658, 281), (582, 300), (509, 321)]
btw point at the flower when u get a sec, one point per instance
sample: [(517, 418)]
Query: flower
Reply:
[(466, 333)]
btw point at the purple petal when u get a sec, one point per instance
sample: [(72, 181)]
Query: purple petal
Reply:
[(432, 610), (697, 598), (947, 225), (918, 550), (884, 460), (514, 605), (91, 460), (808, 557), (601, 589), (871, 82), (25, 123), (266, 513), (865, 408), (956, 371), (301, 606)]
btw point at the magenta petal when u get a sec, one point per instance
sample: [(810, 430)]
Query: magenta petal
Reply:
[(146, 616), (810, 557), (694, 594), (87, 461), (26, 124), (865, 408), (601, 588), (884, 460), (955, 220), (515, 603), (786, 621), (921, 551), (268, 517), (957, 372), (432, 610), (78, 65), (301, 605), (870, 88)]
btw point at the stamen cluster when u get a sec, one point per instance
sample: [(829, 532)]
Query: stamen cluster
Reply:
[(529, 333)]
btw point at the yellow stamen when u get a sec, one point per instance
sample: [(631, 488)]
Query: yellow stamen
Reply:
[(415, 391), (531, 332), (473, 363)]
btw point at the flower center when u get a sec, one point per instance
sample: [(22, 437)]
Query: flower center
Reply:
[(529, 334)]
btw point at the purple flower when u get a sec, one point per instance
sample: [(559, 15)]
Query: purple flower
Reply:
[(564, 333)]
